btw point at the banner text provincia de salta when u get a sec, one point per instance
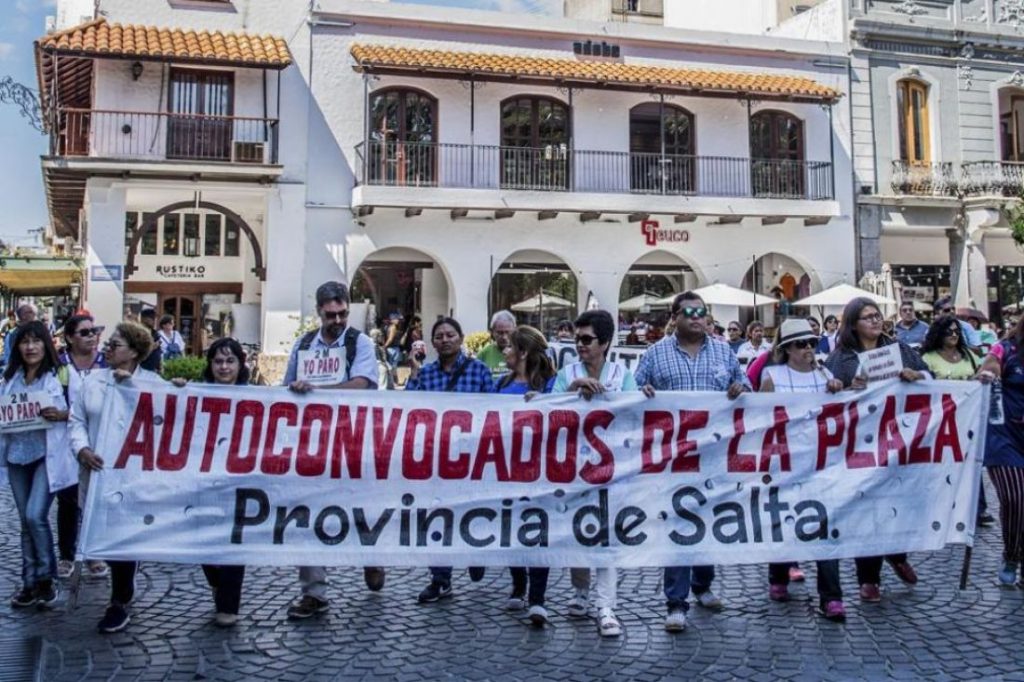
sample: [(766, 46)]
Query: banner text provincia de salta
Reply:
[(244, 475)]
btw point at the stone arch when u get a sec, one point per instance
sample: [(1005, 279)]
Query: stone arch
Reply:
[(399, 281), (149, 223), (527, 273)]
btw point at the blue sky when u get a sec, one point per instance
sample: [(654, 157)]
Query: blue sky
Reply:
[(22, 201)]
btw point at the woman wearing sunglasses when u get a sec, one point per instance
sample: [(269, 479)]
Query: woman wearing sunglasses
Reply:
[(593, 375), (794, 369), (126, 348), (861, 330), (80, 357)]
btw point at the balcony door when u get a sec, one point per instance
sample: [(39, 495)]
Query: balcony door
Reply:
[(184, 310), (403, 139), (777, 155), (654, 129), (201, 104), (912, 105), (534, 143), (1011, 124)]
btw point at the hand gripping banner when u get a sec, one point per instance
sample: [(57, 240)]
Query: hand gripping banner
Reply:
[(244, 475)]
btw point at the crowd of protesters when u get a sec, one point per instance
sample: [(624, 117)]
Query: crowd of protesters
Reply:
[(695, 354)]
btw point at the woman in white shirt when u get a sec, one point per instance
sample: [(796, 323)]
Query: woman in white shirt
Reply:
[(124, 350), (755, 346), (795, 370)]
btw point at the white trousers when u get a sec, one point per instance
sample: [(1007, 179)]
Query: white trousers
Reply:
[(605, 585)]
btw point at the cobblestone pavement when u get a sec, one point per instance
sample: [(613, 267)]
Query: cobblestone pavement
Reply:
[(932, 631)]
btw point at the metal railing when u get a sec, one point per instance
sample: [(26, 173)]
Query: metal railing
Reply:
[(654, 8), (159, 136), (1004, 178), (559, 168), (932, 179), (975, 178)]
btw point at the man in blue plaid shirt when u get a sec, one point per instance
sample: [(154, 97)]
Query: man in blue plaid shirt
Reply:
[(690, 360), (452, 372)]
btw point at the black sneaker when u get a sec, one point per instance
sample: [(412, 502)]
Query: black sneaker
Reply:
[(374, 577), (435, 591), (477, 573), (986, 519), (46, 594), (114, 620), (25, 598), (306, 607)]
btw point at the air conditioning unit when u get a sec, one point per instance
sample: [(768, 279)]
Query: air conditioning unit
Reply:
[(248, 152)]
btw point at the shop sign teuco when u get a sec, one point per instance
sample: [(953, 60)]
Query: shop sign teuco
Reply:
[(181, 271), (654, 234)]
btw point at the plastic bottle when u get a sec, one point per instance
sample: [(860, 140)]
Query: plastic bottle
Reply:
[(995, 406)]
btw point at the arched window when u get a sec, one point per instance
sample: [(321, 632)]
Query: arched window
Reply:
[(1011, 124), (777, 154), (912, 105), (534, 143), (653, 130), (403, 138)]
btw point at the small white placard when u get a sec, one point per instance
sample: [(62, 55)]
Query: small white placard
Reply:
[(322, 367), (21, 411), (881, 363)]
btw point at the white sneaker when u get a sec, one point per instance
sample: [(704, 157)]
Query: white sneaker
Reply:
[(225, 620), (709, 601), (538, 615), (675, 621), (579, 605), (515, 603), (65, 569), (607, 624)]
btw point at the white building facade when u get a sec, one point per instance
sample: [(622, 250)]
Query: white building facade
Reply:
[(451, 162)]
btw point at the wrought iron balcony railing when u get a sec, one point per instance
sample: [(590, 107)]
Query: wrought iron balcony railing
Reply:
[(134, 135), (975, 178), (931, 179), (558, 168)]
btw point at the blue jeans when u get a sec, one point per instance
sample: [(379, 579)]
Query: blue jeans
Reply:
[(678, 583), (33, 498)]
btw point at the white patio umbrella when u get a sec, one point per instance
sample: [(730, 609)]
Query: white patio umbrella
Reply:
[(645, 299), (840, 295), (725, 295), (542, 301)]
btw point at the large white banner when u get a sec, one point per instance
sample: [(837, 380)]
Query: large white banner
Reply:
[(264, 476)]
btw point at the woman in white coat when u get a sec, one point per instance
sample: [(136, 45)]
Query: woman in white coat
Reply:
[(127, 346), (35, 458)]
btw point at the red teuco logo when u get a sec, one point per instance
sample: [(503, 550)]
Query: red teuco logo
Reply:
[(653, 233)]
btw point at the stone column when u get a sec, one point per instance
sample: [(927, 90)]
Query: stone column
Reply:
[(968, 271), (103, 241)]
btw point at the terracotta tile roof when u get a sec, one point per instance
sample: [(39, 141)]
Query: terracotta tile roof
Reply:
[(598, 72), (98, 38)]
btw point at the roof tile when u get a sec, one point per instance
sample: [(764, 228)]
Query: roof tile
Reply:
[(611, 73)]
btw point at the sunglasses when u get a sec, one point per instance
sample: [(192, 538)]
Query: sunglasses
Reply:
[(86, 333), (803, 343), (693, 313), (339, 315), (585, 339), (953, 332), (946, 311)]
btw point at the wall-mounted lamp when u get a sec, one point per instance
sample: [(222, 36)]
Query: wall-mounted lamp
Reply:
[(136, 70)]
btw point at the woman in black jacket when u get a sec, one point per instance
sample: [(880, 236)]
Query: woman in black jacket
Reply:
[(861, 330)]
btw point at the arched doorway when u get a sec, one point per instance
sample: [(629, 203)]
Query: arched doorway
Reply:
[(403, 138), (538, 287), (535, 133), (662, 144), (782, 278), (654, 276), (402, 282), (777, 154)]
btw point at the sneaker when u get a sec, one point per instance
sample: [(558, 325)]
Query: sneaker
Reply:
[(225, 620), (904, 571), (46, 594), (97, 569), (834, 611), (538, 615), (607, 624), (778, 592), (1007, 574), (796, 574), (579, 604), (869, 592), (25, 598), (709, 601), (307, 606), (517, 602), (477, 573), (65, 568), (675, 621), (374, 577), (114, 620), (435, 591), (986, 519)]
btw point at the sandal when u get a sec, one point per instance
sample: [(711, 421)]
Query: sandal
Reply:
[(98, 569), (608, 625)]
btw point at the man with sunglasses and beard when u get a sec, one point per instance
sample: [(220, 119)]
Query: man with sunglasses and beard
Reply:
[(690, 360), (332, 306)]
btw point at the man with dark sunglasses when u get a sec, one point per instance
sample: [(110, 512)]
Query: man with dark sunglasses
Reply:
[(359, 371), (690, 360)]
